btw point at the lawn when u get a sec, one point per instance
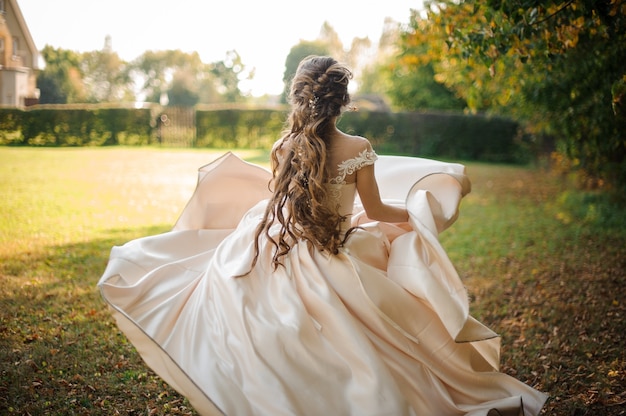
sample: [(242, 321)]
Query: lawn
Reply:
[(544, 265)]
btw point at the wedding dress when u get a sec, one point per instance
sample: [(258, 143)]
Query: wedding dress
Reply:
[(381, 328)]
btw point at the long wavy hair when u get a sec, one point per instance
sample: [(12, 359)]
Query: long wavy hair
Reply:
[(300, 201)]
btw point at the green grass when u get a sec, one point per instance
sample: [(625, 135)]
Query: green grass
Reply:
[(544, 266)]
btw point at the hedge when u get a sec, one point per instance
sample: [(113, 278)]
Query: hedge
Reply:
[(435, 135), (450, 135), (237, 128), (75, 126)]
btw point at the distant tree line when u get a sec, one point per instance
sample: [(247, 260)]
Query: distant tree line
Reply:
[(101, 76), (555, 67)]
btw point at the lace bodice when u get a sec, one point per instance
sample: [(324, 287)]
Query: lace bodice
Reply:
[(342, 193)]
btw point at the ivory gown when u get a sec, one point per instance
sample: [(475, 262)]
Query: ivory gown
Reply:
[(382, 328)]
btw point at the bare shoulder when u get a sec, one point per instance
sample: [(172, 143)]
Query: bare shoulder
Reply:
[(356, 144)]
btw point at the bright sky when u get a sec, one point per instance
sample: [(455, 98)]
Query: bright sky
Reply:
[(261, 31)]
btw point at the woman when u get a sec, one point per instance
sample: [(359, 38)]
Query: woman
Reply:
[(308, 299)]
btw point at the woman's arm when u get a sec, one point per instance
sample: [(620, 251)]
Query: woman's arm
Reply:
[(374, 207)]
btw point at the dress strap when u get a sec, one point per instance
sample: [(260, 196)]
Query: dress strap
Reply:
[(348, 167)]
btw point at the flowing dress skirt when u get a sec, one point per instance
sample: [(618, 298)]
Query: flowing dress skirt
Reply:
[(382, 328)]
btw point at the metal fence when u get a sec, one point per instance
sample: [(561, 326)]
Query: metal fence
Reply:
[(176, 126)]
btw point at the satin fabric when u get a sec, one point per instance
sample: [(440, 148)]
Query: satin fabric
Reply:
[(382, 328)]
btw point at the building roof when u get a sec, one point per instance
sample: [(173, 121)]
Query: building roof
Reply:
[(27, 36)]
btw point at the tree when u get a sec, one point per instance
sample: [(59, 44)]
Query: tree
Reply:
[(405, 77), (328, 43), (417, 89), (297, 54), (106, 75), (186, 79), (182, 91), (329, 37), (155, 70), (226, 76), (357, 57), (61, 80), (375, 77), (551, 64)]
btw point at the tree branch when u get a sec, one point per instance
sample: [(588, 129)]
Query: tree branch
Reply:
[(566, 5)]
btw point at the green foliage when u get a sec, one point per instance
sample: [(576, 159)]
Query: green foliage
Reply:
[(10, 125), (106, 76), (596, 211), (227, 75), (51, 89), (75, 127), (549, 64), (233, 128), (410, 78), (102, 77), (442, 135), (576, 100), (618, 91), (60, 82), (297, 54), (154, 66), (192, 81), (181, 92), (416, 89)]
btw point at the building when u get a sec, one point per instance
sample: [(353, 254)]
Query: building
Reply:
[(18, 58)]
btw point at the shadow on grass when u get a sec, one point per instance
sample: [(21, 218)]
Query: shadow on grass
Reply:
[(563, 331), (60, 350)]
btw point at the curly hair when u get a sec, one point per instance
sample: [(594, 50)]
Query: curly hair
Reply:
[(300, 201)]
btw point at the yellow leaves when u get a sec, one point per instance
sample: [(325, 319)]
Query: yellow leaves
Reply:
[(568, 35), (564, 217), (578, 23), (440, 78), (617, 7), (411, 60)]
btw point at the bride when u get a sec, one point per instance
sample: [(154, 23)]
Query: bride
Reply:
[(326, 292)]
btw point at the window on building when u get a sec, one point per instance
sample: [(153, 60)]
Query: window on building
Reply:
[(2, 6), (16, 46)]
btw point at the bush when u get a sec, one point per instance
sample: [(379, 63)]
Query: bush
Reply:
[(435, 135), (10, 125), (236, 128), (74, 126), (449, 135)]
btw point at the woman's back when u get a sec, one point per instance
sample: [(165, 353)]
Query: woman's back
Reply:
[(345, 156)]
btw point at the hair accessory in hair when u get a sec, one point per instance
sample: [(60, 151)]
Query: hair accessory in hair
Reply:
[(304, 181), (313, 104)]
